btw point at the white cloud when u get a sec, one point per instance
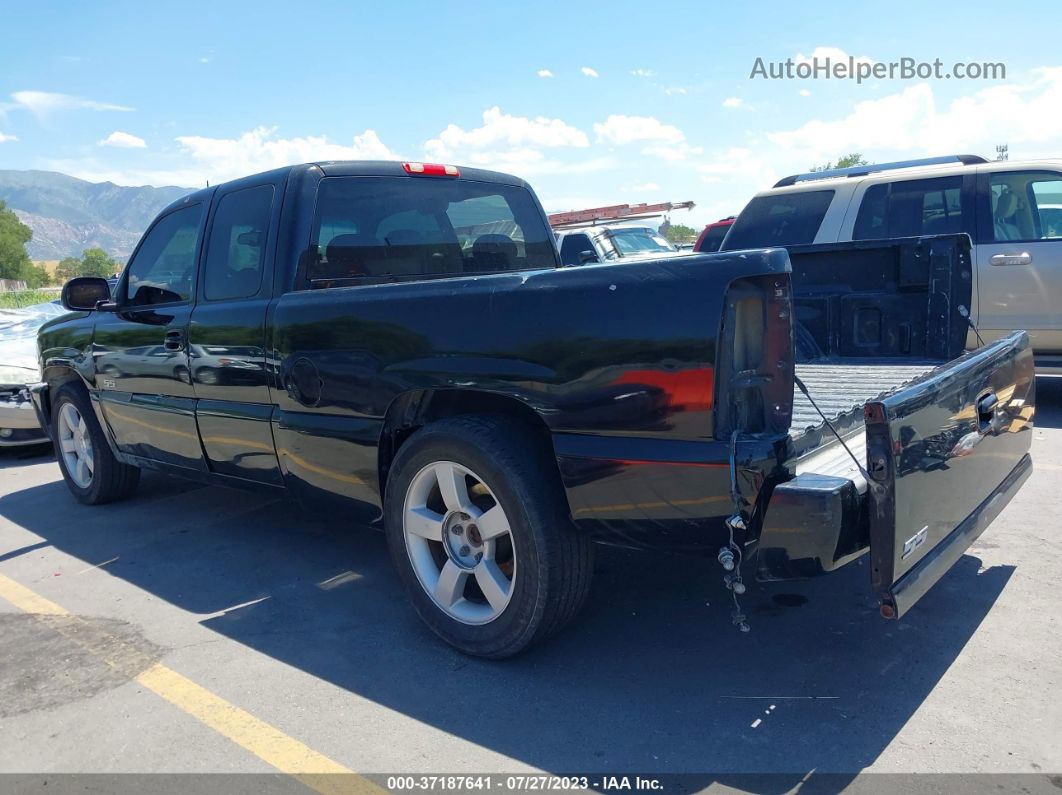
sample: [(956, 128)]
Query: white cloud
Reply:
[(664, 141), (675, 90), (912, 122), (257, 150), (644, 186), (43, 103), (643, 72), (674, 152), (4, 138), (544, 73), (512, 143), (733, 102), (586, 70), (834, 54), (123, 140), (619, 129), (804, 92)]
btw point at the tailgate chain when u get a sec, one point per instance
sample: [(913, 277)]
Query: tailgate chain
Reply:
[(730, 556)]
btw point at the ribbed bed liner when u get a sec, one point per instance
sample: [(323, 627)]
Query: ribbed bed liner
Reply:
[(840, 388)]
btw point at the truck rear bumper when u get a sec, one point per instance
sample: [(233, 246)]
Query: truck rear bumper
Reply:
[(914, 583)]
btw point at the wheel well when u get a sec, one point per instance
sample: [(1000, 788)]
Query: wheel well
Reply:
[(57, 376), (415, 409)]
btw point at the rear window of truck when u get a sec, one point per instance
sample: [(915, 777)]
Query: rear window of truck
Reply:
[(782, 219), (379, 229)]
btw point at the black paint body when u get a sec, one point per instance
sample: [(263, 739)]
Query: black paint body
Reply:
[(630, 369)]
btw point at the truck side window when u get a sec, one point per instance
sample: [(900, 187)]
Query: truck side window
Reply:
[(236, 247), (910, 208), (572, 247), (1026, 205), (386, 228), (163, 268), (781, 219)]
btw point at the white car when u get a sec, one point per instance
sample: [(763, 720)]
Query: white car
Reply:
[(1012, 211), (18, 369), (611, 243)]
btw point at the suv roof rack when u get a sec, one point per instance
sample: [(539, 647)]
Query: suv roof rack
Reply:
[(862, 171)]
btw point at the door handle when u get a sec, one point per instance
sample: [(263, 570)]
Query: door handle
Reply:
[(174, 340), (1025, 258)]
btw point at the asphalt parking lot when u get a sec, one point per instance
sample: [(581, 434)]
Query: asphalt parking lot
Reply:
[(196, 629)]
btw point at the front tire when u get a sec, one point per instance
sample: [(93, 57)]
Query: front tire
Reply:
[(479, 532), (92, 473)]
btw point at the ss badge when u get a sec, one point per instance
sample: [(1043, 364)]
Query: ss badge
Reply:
[(108, 383), (914, 542)]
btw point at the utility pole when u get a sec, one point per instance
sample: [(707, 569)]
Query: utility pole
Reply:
[(1001, 152)]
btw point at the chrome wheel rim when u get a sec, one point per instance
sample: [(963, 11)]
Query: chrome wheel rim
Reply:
[(75, 445), (459, 542)]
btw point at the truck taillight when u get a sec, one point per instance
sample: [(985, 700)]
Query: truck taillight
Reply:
[(755, 369), (431, 170)]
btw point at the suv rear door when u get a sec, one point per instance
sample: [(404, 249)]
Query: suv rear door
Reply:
[(1019, 253)]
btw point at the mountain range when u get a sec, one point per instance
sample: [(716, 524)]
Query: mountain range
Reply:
[(68, 215)]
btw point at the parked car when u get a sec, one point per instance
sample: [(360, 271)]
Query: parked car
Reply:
[(712, 235), (1009, 208), (494, 412), (612, 243), (19, 367)]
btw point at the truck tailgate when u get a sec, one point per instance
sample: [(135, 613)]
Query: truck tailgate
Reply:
[(945, 455)]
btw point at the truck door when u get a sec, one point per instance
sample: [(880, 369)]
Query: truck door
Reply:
[(141, 351), (1019, 255), (227, 344)]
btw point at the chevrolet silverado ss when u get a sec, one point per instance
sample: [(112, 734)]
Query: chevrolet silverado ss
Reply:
[(398, 343)]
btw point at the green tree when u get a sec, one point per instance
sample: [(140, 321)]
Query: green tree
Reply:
[(14, 235), (93, 262), (67, 269), (33, 275), (846, 161), (679, 233)]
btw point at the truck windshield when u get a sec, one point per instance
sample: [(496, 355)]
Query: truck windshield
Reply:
[(638, 241), (384, 228)]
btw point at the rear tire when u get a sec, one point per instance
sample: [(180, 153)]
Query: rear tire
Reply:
[(540, 566), (92, 473)]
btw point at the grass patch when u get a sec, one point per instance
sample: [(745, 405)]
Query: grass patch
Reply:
[(16, 299)]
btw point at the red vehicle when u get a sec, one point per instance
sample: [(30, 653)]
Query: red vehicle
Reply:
[(712, 236)]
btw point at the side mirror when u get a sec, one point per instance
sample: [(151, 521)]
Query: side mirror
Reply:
[(586, 257), (86, 293)]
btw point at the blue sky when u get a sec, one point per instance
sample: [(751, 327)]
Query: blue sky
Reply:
[(639, 102)]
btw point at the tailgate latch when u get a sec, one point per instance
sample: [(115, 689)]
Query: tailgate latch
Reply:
[(986, 412)]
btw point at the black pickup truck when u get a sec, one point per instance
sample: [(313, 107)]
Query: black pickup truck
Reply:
[(399, 345)]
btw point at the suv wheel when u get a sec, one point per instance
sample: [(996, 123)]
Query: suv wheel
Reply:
[(479, 532), (92, 473)]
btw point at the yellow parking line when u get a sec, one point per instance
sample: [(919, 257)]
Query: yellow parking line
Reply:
[(265, 741), (26, 600)]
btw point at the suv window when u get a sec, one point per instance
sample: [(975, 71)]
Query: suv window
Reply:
[(387, 228), (574, 245), (781, 219), (163, 268), (910, 208), (237, 244), (1026, 205)]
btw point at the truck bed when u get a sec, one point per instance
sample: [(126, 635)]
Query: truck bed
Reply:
[(840, 388)]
